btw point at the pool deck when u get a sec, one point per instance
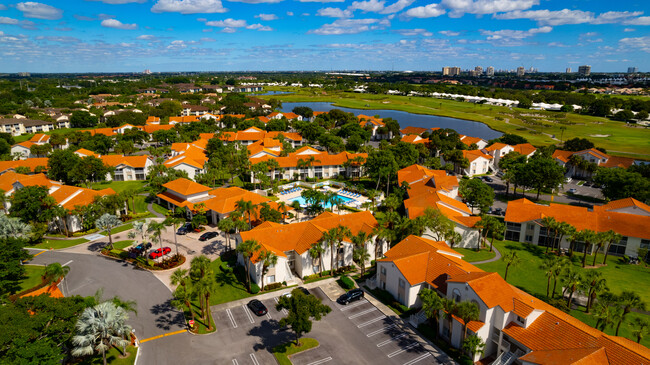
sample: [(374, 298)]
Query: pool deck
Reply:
[(355, 202)]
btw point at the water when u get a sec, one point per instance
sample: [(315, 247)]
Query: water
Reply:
[(405, 119), (327, 205), (275, 93)]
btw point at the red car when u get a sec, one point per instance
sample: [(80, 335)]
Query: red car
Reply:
[(159, 252)]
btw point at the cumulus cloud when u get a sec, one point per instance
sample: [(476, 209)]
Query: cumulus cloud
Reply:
[(366, 6), (449, 33), (260, 27), (627, 30), (429, 11), (257, 1), (115, 2), (188, 6), (334, 13), (514, 34), (59, 39), (5, 20), (321, 1), (206, 39), (414, 32), (39, 11), (114, 23), (396, 7), (289, 13), (566, 16), (642, 20), (459, 7), (84, 18), (350, 26), (227, 23), (3, 7), (146, 37), (267, 17), (25, 24), (642, 43)]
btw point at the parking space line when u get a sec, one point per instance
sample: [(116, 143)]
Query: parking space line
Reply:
[(391, 340), (362, 313), (268, 315), (354, 305), (248, 314), (254, 359), (235, 362), (322, 361), (284, 311), (404, 349), (232, 318), (418, 359), (371, 321), (381, 330)]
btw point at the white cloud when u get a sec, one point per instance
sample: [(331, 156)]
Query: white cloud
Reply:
[(227, 23), (629, 30), (3, 7), (189, 6), (321, 1), (228, 30), (414, 32), (105, 16), (396, 7), (449, 33), (349, 26), (514, 34), (334, 13), (566, 16), (201, 20), (5, 20), (429, 11), (257, 1), (114, 23), (259, 27), (615, 17), (115, 2), (267, 17), (146, 37), (39, 11), (366, 6), (289, 13), (642, 20), (642, 43), (207, 39), (459, 7)]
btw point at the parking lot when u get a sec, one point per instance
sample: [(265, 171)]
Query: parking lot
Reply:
[(354, 334)]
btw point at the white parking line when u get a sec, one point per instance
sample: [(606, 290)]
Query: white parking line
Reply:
[(391, 340), (235, 362), (322, 361), (232, 319), (254, 359), (354, 305), (67, 263), (371, 321), (395, 353), (268, 315), (381, 330), (362, 313), (250, 317), (418, 359), (284, 311)]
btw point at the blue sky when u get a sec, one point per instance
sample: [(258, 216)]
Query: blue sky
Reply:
[(269, 35)]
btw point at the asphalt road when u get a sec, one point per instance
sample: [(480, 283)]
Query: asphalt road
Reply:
[(90, 272)]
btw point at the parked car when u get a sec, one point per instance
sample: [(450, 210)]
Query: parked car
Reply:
[(488, 179), (187, 227), (288, 294), (588, 183), (498, 211), (159, 252), (572, 191), (568, 180), (351, 296), (208, 235), (257, 307)]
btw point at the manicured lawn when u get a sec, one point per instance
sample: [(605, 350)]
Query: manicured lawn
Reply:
[(159, 208), (57, 244), (140, 204), (120, 186), (471, 255), (625, 331), (33, 276), (229, 287), (282, 352), (121, 245), (114, 357), (122, 228)]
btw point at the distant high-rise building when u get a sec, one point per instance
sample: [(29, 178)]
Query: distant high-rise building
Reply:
[(584, 70), (490, 71), (520, 71), (568, 70), (451, 71), (632, 70), (478, 70), (147, 72)]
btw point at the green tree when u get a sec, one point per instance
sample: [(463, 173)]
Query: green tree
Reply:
[(248, 208), (248, 249), (611, 238), (544, 173), (467, 311), (82, 119), (477, 194), (316, 251), (155, 229), (640, 328), (432, 304), (473, 344), (595, 284), (31, 204), (88, 170), (99, 328), (173, 221), (226, 226), (60, 164), (629, 300), (268, 259), (588, 237), (572, 281), (12, 271), (107, 222), (302, 309), (55, 272), (449, 311), (577, 144), (511, 258)]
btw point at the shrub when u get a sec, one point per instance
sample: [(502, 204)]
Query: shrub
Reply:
[(284, 283), (272, 286), (254, 288), (346, 282)]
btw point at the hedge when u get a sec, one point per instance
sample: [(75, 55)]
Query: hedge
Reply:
[(346, 282)]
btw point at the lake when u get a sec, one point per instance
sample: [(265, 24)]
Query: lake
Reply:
[(405, 119), (274, 93)]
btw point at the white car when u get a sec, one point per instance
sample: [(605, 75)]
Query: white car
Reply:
[(572, 191)]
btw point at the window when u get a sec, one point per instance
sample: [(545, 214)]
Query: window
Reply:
[(513, 231), (618, 248), (645, 244), (383, 270), (270, 279), (456, 295), (529, 238), (402, 283)]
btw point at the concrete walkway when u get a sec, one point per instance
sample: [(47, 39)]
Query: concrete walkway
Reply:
[(150, 209), (495, 258)]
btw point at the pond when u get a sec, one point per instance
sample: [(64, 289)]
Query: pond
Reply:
[(405, 119), (275, 93)]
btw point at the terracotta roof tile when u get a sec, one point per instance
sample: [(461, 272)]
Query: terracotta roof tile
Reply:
[(186, 187)]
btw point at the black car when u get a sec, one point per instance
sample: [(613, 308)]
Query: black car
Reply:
[(143, 246), (208, 235), (184, 229), (351, 296), (498, 211), (139, 250), (303, 290), (488, 179), (257, 307)]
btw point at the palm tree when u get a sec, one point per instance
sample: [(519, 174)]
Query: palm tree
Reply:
[(282, 207), (595, 284), (341, 232), (449, 310), (607, 311), (474, 344), (360, 240), (563, 229), (203, 288), (560, 266), (629, 300), (268, 259), (431, 305), (588, 236), (199, 270), (13, 227), (107, 222), (179, 277), (55, 272), (183, 299), (551, 225), (548, 265), (611, 238), (246, 207), (316, 251), (511, 259), (129, 194), (640, 328), (226, 226), (361, 256), (156, 228), (572, 281), (467, 311), (100, 327), (248, 249), (173, 222), (574, 235), (329, 238), (600, 240)]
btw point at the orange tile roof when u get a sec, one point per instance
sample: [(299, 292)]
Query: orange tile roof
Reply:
[(8, 179), (621, 162), (496, 146), (562, 155), (472, 155), (186, 187), (365, 119), (105, 131), (85, 152), (414, 139), (133, 161), (26, 144), (320, 159), (625, 203), (469, 140), (413, 130), (150, 128), (152, 119), (186, 119), (70, 197), (577, 356), (30, 163), (524, 149), (40, 138), (491, 288), (224, 200)]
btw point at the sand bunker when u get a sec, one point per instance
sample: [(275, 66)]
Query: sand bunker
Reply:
[(599, 135)]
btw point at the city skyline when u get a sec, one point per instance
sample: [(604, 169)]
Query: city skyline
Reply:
[(281, 35)]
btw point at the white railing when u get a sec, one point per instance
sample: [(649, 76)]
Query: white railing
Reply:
[(417, 318), (289, 273), (506, 358)]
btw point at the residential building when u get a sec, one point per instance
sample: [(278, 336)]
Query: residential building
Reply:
[(478, 70), (288, 116), (416, 130), (498, 150), (521, 71), (254, 134), (188, 157), (515, 326), (18, 126), (568, 70), (34, 164), (632, 70), (414, 139), (128, 168), (489, 71), (451, 71), (591, 156), (584, 70), (628, 217), (22, 150), (291, 243), (479, 163), (467, 140), (374, 124), (196, 110)]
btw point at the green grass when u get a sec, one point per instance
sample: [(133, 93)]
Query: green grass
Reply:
[(58, 244), (121, 245), (529, 277), (625, 331), (140, 204), (113, 357), (120, 186), (229, 287), (622, 140), (33, 276), (471, 255), (160, 209), (282, 352), (122, 228)]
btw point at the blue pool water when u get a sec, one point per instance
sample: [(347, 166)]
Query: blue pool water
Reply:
[(302, 201)]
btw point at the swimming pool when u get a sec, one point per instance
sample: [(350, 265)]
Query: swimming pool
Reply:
[(303, 203)]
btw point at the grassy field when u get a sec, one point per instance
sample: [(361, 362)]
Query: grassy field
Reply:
[(470, 255), (120, 186), (58, 244), (229, 288), (621, 140), (121, 245), (114, 357), (160, 209), (33, 276), (529, 277), (282, 352)]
